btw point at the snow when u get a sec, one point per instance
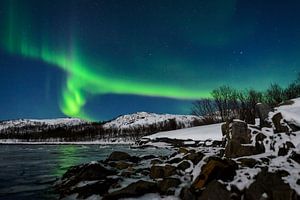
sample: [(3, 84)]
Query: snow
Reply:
[(37, 122), (290, 113), (199, 133), (143, 119), (244, 178)]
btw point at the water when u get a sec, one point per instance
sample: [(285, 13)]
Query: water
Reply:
[(29, 171)]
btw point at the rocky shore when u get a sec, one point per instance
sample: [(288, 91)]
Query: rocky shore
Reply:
[(253, 162)]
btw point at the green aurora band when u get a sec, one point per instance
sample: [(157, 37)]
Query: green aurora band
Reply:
[(82, 79)]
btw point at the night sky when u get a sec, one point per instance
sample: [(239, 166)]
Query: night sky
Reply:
[(97, 59)]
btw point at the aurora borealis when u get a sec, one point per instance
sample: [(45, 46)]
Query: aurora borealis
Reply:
[(111, 57)]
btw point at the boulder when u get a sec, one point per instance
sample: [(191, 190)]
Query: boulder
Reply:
[(97, 188), (174, 160), (84, 172), (184, 165), (183, 150), (148, 157), (122, 165), (162, 171), (295, 156), (215, 191), (294, 127), (248, 162), (270, 184), (118, 155), (143, 171), (263, 110), (234, 149), (260, 137), (225, 129), (186, 194), (194, 157), (156, 161), (136, 189), (283, 150), (279, 126), (215, 169), (240, 132), (166, 184)]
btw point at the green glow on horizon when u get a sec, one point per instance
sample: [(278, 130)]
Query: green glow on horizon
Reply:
[(82, 79)]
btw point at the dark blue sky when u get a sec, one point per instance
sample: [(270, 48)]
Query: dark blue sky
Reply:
[(100, 59)]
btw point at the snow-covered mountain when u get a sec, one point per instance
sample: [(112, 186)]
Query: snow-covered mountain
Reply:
[(145, 119), (131, 126), (54, 123)]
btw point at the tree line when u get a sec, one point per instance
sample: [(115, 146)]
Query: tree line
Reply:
[(227, 102)]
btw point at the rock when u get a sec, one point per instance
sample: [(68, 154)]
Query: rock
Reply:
[(240, 137), (85, 172), (216, 143), (194, 157), (282, 173), (279, 127), (122, 165), (168, 183), (259, 148), (186, 194), (173, 142), (216, 168), (272, 185), (260, 137), (240, 132), (294, 127), (248, 162), (174, 160), (136, 189), (148, 157), (263, 110), (134, 159), (126, 174), (183, 150), (289, 145), (184, 165), (295, 156), (97, 188), (143, 171), (162, 171), (215, 191), (118, 155), (283, 150), (225, 129), (156, 161), (234, 149)]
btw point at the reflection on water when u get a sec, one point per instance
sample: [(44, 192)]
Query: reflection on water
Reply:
[(66, 158), (29, 171)]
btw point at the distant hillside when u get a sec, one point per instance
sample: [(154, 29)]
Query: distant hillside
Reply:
[(54, 123), (146, 123), (130, 126)]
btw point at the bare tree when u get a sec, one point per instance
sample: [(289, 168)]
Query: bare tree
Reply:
[(293, 90), (274, 95), (226, 99), (207, 109), (248, 101)]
